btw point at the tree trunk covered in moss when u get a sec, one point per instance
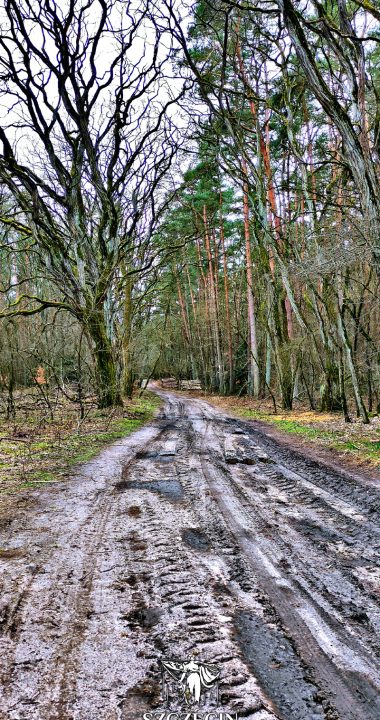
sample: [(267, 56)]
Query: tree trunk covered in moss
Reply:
[(351, 366), (128, 375), (342, 388), (285, 375), (329, 389), (281, 344), (107, 385)]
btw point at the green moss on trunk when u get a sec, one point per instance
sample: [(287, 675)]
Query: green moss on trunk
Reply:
[(107, 385)]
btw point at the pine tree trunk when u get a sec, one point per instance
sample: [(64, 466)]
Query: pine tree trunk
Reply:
[(231, 373), (214, 309), (268, 361), (253, 373), (208, 344), (186, 328), (203, 373), (284, 366), (281, 345)]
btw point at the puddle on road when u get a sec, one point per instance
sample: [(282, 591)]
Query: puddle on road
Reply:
[(196, 539), (160, 457), (146, 455), (278, 669), (143, 617), (169, 486), (170, 489)]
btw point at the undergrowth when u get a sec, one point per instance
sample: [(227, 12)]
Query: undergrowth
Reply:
[(35, 451), (357, 442)]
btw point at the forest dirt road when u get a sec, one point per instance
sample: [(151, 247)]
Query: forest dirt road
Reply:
[(197, 532)]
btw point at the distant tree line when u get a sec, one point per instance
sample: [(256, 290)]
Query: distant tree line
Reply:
[(203, 203)]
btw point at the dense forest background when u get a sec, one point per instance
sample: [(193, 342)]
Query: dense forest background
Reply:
[(193, 191)]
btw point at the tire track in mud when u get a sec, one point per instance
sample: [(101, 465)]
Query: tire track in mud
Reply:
[(300, 615), (335, 547), (296, 696), (347, 485), (214, 530), (43, 638), (321, 535), (160, 548), (50, 586), (193, 616), (339, 692)]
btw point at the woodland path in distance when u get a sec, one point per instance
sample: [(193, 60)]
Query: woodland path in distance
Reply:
[(196, 532)]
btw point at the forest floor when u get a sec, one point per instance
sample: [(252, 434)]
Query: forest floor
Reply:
[(41, 444), (198, 532), (353, 443)]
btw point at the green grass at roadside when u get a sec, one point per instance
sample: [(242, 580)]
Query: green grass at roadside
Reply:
[(30, 458), (358, 442)]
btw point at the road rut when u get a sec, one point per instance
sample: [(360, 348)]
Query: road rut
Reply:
[(199, 532)]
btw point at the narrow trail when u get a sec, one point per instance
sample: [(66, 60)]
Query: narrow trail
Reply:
[(198, 532)]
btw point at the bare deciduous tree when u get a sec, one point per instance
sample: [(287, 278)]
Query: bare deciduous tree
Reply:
[(87, 140)]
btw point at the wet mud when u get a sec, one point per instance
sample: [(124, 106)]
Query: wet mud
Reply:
[(279, 669), (198, 534)]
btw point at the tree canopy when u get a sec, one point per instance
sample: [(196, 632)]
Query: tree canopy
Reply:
[(196, 186)]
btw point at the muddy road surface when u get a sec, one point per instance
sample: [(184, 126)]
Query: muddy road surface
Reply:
[(198, 533)]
